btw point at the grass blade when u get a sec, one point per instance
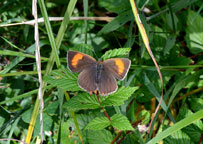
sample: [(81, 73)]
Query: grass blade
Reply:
[(179, 125)]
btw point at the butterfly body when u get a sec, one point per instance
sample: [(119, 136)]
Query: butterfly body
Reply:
[(97, 76), (99, 70)]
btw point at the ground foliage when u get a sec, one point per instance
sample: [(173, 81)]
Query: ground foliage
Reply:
[(175, 31)]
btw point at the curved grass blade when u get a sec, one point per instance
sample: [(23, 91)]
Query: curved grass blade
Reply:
[(146, 42)]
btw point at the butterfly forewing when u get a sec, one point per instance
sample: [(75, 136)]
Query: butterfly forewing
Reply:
[(118, 67), (78, 61)]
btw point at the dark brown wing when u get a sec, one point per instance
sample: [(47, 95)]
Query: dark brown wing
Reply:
[(87, 79), (107, 83), (118, 67), (78, 61)]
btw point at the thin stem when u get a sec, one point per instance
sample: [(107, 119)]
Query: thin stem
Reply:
[(103, 109), (106, 113), (200, 140)]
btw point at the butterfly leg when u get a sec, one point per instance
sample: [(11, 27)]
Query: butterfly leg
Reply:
[(90, 92), (95, 92)]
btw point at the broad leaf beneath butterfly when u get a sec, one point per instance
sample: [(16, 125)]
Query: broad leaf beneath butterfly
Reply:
[(63, 79)]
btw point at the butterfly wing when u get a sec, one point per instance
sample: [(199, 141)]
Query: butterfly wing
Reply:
[(118, 67), (107, 83), (87, 79), (78, 61)]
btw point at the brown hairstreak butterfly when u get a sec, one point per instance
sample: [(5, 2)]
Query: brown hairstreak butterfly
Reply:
[(97, 76)]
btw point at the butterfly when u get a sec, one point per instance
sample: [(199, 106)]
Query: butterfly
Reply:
[(97, 76)]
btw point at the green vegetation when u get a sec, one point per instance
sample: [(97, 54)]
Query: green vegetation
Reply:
[(103, 29)]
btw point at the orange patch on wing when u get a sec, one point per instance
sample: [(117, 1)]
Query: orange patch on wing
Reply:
[(120, 65), (75, 59)]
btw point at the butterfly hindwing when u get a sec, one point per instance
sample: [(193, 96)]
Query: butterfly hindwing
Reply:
[(107, 83), (87, 79)]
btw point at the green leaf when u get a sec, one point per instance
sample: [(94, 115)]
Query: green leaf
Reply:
[(144, 113), (117, 22), (27, 115), (84, 119), (185, 112), (117, 7), (172, 21), (116, 53), (178, 137), (86, 101), (118, 97), (82, 101), (47, 122), (182, 4), (63, 79), (183, 81), (158, 39), (52, 108), (153, 90), (194, 130), (99, 137), (93, 40), (181, 61), (170, 42), (84, 48), (98, 123), (194, 33), (179, 125), (64, 138), (121, 122), (196, 104)]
